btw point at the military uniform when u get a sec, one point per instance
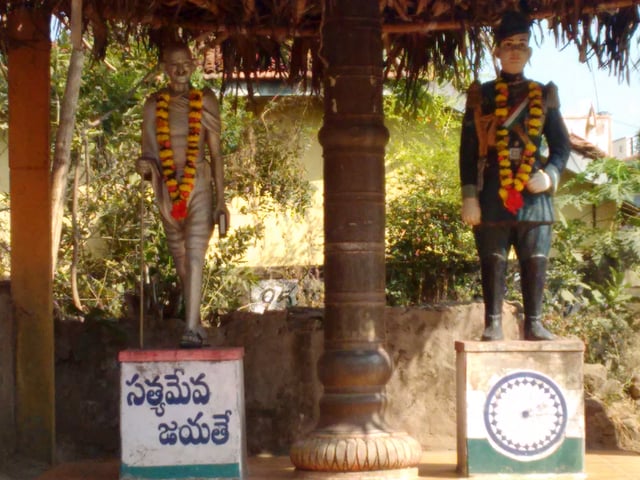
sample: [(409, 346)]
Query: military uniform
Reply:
[(529, 229)]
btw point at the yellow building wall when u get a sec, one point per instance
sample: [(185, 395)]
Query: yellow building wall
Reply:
[(288, 239)]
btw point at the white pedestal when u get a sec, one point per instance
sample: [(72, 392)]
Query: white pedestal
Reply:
[(520, 408), (182, 414)]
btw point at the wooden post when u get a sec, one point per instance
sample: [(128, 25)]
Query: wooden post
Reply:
[(7, 372), (352, 434), (31, 283)]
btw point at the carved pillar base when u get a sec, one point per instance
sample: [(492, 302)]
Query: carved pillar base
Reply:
[(363, 455)]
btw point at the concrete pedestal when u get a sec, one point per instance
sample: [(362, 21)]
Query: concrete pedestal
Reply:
[(520, 408), (182, 414)]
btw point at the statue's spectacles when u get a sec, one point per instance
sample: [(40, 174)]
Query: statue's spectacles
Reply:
[(514, 46)]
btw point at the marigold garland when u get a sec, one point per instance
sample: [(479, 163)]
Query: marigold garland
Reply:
[(179, 192), (511, 186)]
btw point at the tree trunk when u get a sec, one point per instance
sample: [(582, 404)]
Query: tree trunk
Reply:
[(74, 263), (62, 154)]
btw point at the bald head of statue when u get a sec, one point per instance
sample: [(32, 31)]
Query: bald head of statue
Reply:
[(178, 65)]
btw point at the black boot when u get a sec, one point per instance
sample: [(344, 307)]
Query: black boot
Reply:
[(532, 276), (493, 271), (492, 328), (534, 330)]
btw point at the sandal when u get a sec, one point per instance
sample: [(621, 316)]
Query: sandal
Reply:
[(192, 339)]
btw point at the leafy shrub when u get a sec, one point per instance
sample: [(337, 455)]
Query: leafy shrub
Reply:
[(430, 251), (431, 254), (588, 292)]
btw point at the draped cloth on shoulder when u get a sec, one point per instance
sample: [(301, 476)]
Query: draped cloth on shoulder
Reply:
[(194, 231)]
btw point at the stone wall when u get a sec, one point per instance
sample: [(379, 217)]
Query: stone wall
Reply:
[(281, 386), (282, 389)]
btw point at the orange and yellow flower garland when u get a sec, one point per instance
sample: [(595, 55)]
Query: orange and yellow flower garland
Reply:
[(179, 191), (511, 186)]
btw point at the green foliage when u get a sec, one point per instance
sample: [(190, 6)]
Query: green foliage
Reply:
[(603, 317), (101, 241), (587, 286), (263, 150), (612, 180), (225, 281), (105, 238), (564, 277), (426, 135), (430, 252), (614, 241)]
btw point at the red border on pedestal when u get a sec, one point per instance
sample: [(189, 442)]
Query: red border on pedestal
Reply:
[(185, 355)]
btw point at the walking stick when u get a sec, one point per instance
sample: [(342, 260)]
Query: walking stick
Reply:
[(142, 263)]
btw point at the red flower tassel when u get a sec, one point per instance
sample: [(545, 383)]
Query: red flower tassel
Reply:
[(179, 209), (514, 201)]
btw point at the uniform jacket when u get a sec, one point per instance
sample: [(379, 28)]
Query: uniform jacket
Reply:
[(481, 178)]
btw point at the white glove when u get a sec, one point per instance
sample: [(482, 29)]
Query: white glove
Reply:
[(471, 211), (539, 182)]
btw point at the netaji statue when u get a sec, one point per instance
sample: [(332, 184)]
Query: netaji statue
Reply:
[(507, 185)]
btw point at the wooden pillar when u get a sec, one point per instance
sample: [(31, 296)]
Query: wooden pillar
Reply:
[(351, 434), (31, 283), (7, 372)]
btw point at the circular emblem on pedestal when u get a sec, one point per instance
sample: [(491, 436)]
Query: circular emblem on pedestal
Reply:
[(525, 415)]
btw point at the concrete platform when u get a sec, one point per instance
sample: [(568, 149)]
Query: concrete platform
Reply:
[(601, 465)]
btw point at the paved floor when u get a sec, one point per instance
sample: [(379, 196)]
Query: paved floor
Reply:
[(600, 465)]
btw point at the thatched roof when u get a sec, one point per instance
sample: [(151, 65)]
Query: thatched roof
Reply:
[(440, 37)]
